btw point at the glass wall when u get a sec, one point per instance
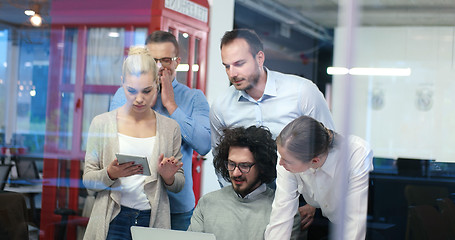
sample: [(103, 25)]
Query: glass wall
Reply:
[(386, 69)]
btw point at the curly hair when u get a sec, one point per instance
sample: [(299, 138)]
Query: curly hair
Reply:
[(258, 140)]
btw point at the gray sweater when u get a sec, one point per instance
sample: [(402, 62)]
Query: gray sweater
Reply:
[(229, 217)]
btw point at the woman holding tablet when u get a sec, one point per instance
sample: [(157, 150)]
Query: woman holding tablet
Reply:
[(126, 197), (311, 163)]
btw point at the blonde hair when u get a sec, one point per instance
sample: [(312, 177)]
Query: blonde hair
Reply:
[(140, 61)]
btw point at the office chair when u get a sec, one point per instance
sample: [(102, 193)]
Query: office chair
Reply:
[(447, 209), (424, 194), (13, 216), (424, 222)]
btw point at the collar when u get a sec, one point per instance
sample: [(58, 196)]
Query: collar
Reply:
[(174, 82), (269, 90), (252, 195), (330, 163)]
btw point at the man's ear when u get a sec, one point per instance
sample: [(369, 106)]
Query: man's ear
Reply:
[(260, 58)]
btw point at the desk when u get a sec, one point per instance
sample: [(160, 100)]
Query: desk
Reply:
[(30, 191)]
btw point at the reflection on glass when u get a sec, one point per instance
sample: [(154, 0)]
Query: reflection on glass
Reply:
[(196, 64), (30, 94), (91, 110), (183, 54), (3, 82), (63, 184), (105, 51), (70, 56), (66, 121), (140, 34)]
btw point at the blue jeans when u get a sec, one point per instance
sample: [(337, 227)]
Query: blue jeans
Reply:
[(119, 228), (181, 221)]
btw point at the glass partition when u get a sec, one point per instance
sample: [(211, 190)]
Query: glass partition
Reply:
[(183, 68)]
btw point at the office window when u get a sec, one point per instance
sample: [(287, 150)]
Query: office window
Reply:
[(23, 86)]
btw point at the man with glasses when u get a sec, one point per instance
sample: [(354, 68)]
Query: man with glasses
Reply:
[(262, 97), (189, 108), (246, 158)]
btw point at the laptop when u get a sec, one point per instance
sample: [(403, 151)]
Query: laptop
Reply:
[(27, 172), (4, 174), (147, 233)]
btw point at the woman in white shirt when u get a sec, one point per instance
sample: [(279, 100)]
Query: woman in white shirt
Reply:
[(311, 163), (125, 197)]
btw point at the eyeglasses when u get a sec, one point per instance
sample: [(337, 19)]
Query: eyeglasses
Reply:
[(243, 167), (166, 60)]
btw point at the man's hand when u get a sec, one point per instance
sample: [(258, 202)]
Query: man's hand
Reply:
[(167, 92), (116, 170), (167, 167), (306, 216)]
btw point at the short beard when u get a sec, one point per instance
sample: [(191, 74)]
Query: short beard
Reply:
[(252, 81), (248, 190)]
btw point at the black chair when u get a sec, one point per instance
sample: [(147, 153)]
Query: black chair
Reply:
[(13, 216), (447, 209), (424, 221)]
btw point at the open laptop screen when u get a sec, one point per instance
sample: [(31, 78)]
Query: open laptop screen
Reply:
[(145, 233), (26, 169)]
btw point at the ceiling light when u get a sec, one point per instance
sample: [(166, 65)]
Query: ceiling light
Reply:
[(29, 12), (369, 71), (337, 71), (36, 20), (380, 71)]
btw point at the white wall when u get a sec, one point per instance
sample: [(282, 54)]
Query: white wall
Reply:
[(221, 20), (409, 116)]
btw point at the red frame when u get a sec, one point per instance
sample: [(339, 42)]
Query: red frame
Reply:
[(164, 19)]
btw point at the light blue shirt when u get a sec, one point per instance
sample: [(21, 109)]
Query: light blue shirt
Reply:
[(192, 115), (286, 97)]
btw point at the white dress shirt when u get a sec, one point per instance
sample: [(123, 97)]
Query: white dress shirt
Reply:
[(320, 189), (286, 97)]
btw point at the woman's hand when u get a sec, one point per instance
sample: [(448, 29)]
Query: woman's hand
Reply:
[(116, 170), (167, 167)]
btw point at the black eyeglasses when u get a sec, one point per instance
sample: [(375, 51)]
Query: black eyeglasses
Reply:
[(166, 60), (243, 167)]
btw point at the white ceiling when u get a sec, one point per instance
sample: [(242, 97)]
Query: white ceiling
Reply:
[(378, 12), (322, 12)]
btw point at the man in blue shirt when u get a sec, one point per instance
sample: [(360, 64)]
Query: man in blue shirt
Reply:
[(261, 97), (189, 108)]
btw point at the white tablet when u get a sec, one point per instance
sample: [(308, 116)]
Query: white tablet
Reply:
[(138, 160)]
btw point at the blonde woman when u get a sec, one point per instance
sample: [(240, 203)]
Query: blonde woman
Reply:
[(126, 198)]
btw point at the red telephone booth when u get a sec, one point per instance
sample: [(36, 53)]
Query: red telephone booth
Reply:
[(89, 40), (192, 34)]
